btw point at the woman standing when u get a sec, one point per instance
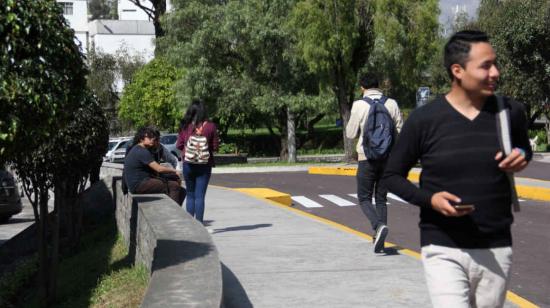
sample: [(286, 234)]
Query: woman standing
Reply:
[(194, 128)]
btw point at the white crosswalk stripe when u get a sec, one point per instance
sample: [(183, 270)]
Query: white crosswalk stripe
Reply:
[(337, 200), (390, 195), (306, 202)]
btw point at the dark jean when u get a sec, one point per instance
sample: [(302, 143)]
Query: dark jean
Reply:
[(196, 181), (369, 176)]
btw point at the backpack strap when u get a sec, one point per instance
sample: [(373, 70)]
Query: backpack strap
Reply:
[(504, 127), (382, 100)]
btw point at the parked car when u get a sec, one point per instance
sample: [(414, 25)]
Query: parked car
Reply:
[(10, 199), (169, 142), (119, 152), (116, 150)]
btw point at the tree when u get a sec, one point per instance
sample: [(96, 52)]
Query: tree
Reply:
[(101, 80), (150, 97), (335, 39), (155, 12), (240, 58), (108, 73), (520, 33), (406, 43), (42, 88)]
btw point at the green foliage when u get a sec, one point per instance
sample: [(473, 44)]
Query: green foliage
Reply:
[(520, 33), (53, 130), (406, 44), (105, 277), (334, 38), (12, 282), (239, 57), (150, 97), (41, 69), (227, 148), (106, 70)]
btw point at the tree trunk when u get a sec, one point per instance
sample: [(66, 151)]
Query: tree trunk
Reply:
[(291, 130), (43, 280), (59, 200), (311, 123), (345, 112)]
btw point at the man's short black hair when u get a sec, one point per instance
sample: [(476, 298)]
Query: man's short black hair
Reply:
[(369, 81), (458, 48)]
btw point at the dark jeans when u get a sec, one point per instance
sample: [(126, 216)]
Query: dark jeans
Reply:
[(369, 176), (196, 181), (157, 186)]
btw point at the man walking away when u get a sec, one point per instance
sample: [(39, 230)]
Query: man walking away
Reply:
[(465, 195), (377, 120)]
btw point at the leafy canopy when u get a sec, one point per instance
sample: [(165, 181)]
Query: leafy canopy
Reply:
[(150, 97), (41, 69)]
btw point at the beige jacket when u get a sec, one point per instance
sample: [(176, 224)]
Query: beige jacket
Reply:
[(359, 112)]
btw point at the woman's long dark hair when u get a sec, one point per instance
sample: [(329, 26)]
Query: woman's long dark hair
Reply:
[(195, 114)]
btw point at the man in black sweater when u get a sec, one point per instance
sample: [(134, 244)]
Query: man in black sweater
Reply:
[(464, 194)]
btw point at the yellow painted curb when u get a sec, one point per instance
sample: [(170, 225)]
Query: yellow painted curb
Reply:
[(527, 192), (348, 171), (535, 193), (269, 194)]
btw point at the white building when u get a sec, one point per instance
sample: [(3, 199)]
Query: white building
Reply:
[(133, 31), (76, 13), (129, 11), (137, 36)]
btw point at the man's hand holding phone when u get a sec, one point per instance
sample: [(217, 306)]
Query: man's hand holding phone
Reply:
[(450, 205)]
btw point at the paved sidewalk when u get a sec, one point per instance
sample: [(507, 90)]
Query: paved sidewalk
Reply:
[(274, 256)]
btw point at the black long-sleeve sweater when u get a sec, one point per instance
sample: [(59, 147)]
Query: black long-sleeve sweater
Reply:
[(457, 155)]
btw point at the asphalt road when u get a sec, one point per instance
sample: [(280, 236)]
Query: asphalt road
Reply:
[(530, 272)]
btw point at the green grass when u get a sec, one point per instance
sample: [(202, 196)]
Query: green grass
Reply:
[(98, 275)]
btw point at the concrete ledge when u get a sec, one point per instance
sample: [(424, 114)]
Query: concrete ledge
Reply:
[(175, 248), (266, 193), (539, 190)]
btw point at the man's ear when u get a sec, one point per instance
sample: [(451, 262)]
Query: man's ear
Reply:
[(457, 70)]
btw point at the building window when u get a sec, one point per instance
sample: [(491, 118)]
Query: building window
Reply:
[(67, 8)]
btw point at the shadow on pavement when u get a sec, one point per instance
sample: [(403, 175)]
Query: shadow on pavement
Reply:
[(240, 228), (234, 295)]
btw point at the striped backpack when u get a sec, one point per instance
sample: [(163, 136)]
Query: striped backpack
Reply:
[(196, 148)]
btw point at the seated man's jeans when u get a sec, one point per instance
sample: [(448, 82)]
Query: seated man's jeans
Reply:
[(157, 186)]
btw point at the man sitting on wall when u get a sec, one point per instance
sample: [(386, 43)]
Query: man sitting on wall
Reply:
[(141, 170)]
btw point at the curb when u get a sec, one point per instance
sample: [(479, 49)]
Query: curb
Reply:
[(528, 192), (269, 194)]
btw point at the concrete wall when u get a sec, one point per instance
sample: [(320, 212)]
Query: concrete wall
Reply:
[(175, 248)]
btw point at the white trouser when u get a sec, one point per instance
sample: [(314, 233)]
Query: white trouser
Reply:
[(467, 277)]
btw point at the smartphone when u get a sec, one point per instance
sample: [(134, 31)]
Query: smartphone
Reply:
[(464, 206)]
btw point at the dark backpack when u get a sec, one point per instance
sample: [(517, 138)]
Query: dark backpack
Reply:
[(379, 130)]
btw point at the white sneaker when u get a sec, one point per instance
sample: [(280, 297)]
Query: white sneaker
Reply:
[(381, 233)]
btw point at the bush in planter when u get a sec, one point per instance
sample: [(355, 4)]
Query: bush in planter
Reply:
[(228, 148)]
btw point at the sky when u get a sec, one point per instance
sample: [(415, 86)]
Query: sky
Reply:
[(447, 8)]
